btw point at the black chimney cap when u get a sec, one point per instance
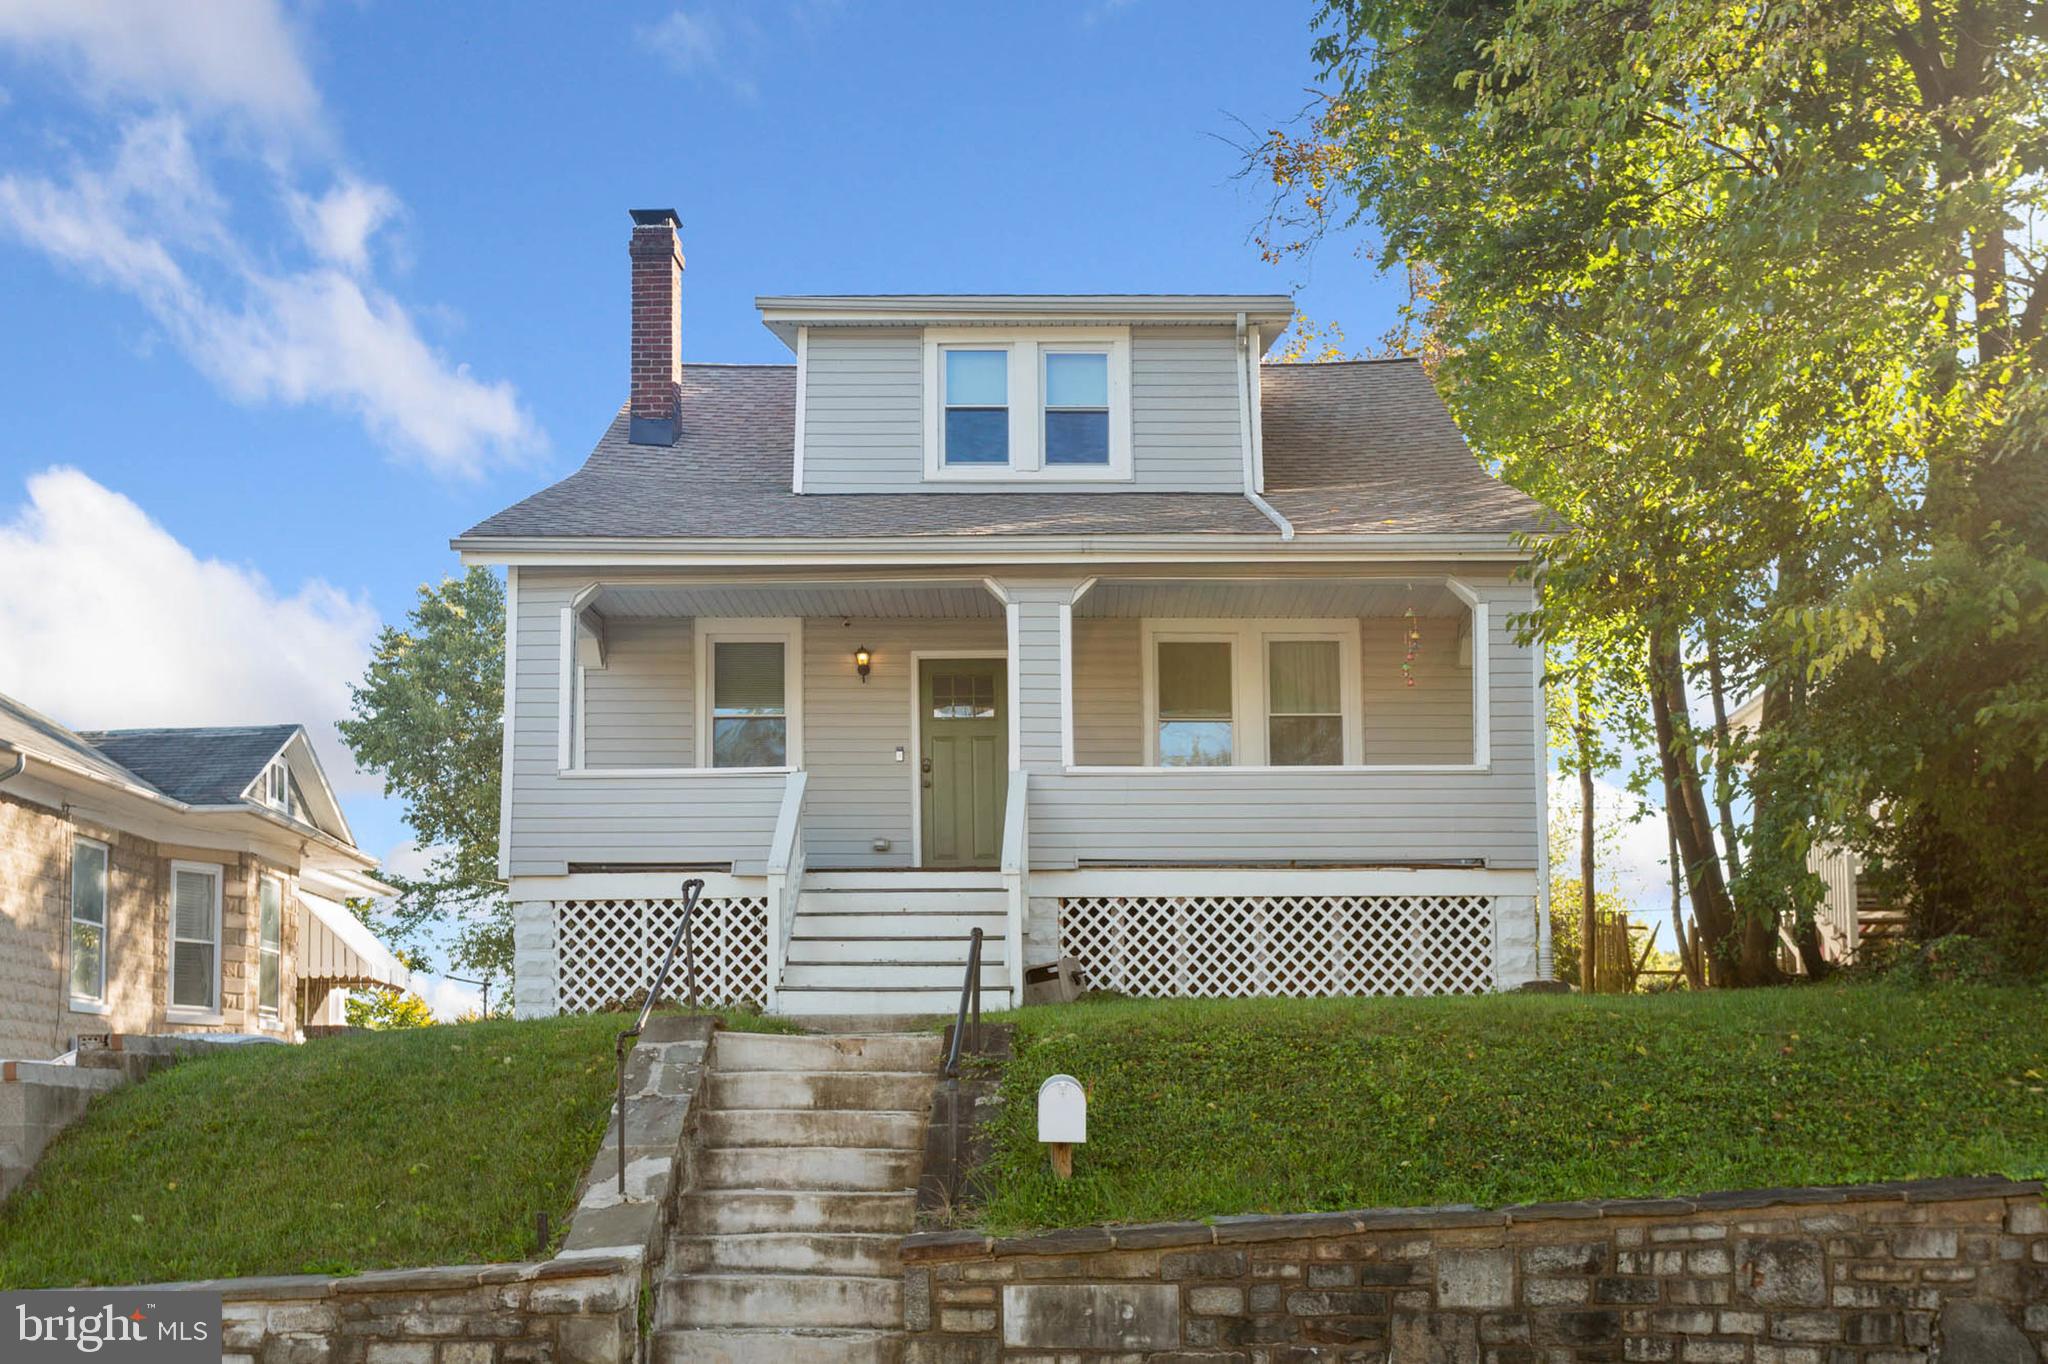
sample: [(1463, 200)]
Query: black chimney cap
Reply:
[(655, 217)]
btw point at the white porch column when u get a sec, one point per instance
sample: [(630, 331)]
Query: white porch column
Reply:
[(536, 969), (1040, 620)]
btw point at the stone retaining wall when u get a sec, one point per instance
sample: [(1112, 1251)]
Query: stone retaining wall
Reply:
[(1948, 1270), (581, 1307)]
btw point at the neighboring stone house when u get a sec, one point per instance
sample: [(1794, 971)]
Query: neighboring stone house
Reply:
[(173, 880), (1061, 616)]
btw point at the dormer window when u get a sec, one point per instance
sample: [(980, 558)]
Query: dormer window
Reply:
[(977, 407), (1027, 405)]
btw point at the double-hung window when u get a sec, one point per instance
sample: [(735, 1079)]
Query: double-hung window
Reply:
[(751, 684), (1197, 724), (1251, 693), (269, 944), (195, 938), (1076, 424), (1025, 404), (977, 428), (88, 925)]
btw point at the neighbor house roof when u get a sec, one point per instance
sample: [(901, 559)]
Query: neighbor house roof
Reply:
[(31, 730), (197, 766), (1350, 449)]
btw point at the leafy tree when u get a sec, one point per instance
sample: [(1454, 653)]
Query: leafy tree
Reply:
[(1743, 295), (387, 1008), (427, 717)]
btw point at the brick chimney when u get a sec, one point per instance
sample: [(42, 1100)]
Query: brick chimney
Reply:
[(657, 325)]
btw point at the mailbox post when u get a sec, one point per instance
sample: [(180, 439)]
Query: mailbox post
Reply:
[(1062, 1120)]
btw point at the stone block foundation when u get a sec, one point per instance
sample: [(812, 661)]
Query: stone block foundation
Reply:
[(1943, 1270)]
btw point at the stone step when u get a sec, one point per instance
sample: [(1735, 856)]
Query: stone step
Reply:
[(891, 974), (782, 1300), (867, 1091), (737, 1212), (946, 949), (773, 1051), (807, 1167), (786, 1253), (807, 1001), (772, 1127), (698, 1346)]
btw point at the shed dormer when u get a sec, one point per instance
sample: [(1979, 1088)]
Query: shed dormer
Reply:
[(1027, 393)]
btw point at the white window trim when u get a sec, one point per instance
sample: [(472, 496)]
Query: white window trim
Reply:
[(786, 630), (96, 1003), (192, 1013), (1026, 348), (275, 1013)]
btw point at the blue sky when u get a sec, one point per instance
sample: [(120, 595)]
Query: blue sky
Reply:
[(293, 293)]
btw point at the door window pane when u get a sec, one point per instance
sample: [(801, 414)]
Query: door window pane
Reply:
[(1196, 727), (1304, 698), (977, 407), (195, 939), (1076, 408), (963, 696), (88, 921), (749, 722)]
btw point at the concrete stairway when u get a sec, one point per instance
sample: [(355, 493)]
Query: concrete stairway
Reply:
[(39, 1099), (785, 1247), (892, 944)]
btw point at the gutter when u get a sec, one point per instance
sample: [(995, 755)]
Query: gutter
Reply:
[(20, 762), (1245, 433)]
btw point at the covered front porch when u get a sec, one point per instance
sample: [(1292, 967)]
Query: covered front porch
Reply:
[(1083, 751)]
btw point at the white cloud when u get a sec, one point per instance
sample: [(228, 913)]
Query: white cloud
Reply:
[(225, 55), (339, 224), (448, 1000), (150, 222), (725, 47), (111, 622)]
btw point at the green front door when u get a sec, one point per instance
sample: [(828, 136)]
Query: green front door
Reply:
[(964, 760)]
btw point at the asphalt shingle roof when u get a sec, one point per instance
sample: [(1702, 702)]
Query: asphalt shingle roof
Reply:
[(197, 766), (1351, 448), (31, 729)]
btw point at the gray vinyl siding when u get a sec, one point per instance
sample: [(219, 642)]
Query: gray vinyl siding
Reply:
[(1430, 722), (864, 416), (1109, 712), (637, 709), (857, 791), (654, 817), (1352, 816)]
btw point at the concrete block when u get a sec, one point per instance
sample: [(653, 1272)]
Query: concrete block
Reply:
[(1091, 1316), (1475, 1278)]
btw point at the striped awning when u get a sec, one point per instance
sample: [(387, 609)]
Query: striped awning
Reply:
[(335, 947)]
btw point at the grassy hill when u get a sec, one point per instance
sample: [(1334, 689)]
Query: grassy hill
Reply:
[(429, 1146), (1215, 1107)]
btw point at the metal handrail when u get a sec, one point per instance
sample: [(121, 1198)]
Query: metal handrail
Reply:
[(970, 990), (681, 939)]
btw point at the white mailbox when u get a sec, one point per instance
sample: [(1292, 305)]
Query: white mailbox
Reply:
[(1062, 1111)]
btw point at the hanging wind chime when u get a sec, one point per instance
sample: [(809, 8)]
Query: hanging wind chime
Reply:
[(1414, 646)]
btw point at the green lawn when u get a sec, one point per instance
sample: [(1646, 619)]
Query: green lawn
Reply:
[(1213, 1107), (430, 1146)]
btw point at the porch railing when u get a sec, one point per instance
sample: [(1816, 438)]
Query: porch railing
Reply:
[(1016, 866), (785, 868)]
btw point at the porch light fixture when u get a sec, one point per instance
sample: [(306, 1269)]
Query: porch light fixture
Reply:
[(862, 661)]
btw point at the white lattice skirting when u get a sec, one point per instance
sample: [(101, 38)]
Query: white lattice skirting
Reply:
[(607, 949), (1300, 945)]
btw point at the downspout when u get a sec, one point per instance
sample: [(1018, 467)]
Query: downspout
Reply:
[(1244, 432), (20, 761)]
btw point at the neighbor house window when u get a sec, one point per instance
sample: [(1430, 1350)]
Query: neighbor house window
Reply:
[(977, 429), (88, 923), (269, 943), (749, 710), (1197, 722), (195, 937), (1076, 407), (1304, 703)]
